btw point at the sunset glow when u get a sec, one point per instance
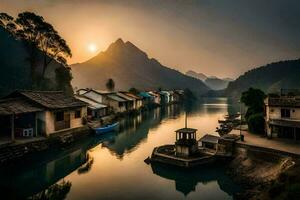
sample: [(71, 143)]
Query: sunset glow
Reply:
[(92, 48)]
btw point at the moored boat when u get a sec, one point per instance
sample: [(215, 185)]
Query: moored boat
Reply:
[(107, 128)]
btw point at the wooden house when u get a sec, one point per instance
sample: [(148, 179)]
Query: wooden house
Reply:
[(138, 101), (129, 104), (40, 113), (95, 110), (209, 142), (282, 116), (165, 97), (113, 101), (156, 97)]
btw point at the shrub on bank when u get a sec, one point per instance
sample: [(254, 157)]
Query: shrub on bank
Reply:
[(256, 123)]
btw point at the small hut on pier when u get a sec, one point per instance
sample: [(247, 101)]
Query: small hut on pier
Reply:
[(186, 144)]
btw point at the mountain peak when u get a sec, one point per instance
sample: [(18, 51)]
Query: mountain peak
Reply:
[(119, 48), (118, 44), (119, 41)]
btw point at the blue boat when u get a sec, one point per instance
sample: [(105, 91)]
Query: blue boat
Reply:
[(107, 128)]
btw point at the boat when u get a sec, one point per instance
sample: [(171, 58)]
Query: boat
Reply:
[(107, 128)]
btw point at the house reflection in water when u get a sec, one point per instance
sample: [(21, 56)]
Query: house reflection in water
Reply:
[(22, 183), (134, 130), (186, 180)]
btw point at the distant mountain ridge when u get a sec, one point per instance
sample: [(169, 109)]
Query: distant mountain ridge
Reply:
[(212, 82), (130, 67), (269, 78)]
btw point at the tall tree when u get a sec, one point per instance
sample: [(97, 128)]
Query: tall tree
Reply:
[(34, 29), (254, 100), (110, 84), (7, 22)]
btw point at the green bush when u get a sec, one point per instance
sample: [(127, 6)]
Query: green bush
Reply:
[(256, 123)]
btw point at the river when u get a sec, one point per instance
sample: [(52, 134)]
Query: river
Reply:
[(112, 167)]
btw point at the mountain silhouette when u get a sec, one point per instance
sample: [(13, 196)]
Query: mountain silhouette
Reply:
[(130, 67), (269, 78), (212, 82)]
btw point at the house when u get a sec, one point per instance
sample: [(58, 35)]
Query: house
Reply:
[(95, 110), (178, 96), (156, 97), (129, 104), (146, 98), (138, 101), (282, 116), (116, 103), (209, 142), (40, 113), (171, 96), (165, 97)]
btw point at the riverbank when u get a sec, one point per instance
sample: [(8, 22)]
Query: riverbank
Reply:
[(13, 151), (265, 174)]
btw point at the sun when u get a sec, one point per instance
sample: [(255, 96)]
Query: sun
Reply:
[(92, 48)]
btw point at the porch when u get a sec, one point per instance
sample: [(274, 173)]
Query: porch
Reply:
[(284, 128), (19, 119)]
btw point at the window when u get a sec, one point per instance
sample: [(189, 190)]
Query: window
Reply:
[(59, 116), (77, 113), (285, 113)]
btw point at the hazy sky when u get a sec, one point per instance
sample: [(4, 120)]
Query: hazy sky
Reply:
[(216, 37)]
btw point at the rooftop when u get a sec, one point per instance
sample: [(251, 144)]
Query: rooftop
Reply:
[(49, 99), (132, 95), (283, 101), (209, 138), (19, 105), (92, 104), (128, 98), (285, 122), (116, 98), (186, 130)]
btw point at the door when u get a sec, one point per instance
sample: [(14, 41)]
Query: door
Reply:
[(67, 120)]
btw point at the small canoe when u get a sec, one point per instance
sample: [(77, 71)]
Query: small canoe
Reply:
[(107, 128)]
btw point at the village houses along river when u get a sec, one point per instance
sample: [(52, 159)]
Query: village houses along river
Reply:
[(112, 166)]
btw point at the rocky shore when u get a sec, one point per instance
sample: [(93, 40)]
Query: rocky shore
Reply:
[(265, 175)]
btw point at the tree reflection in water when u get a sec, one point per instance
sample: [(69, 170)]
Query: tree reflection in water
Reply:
[(57, 191)]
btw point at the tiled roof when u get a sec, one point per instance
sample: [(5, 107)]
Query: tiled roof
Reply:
[(91, 103), (116, 98), (132, 95), (283, 101), (125, 96), (50, 99), (17, 106)]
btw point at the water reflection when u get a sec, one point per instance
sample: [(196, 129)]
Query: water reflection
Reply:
[(39, 175), (57, 191), (186, 180), (134, 130), (112, 166)]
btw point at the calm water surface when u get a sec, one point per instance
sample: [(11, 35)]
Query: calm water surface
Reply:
[(112, 167)]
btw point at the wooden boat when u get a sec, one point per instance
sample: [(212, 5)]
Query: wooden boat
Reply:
[(107, 128)]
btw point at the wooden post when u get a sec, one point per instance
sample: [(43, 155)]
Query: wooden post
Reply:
[(185, 119), (12, 127), (36, 133)]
